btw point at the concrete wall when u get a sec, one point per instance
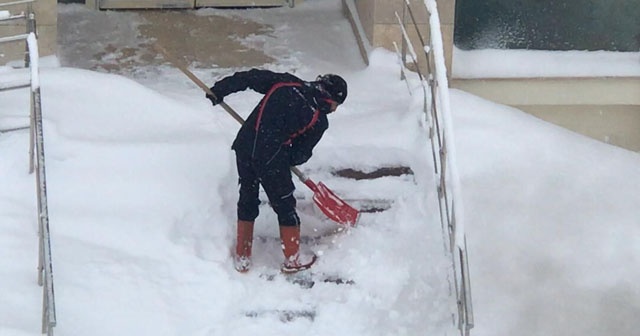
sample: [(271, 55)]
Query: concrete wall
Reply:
[(381, 28), (234, 3), (606, 109), (46, 20), (140, 4)]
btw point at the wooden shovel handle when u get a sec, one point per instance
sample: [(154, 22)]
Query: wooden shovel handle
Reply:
[(224, 105), (197, 81)]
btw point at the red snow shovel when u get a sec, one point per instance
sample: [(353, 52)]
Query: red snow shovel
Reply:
[(328, 202)]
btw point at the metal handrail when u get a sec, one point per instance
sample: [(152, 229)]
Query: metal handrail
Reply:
[(20, 2), (14, 17), (45, 266), (13, 38), (455, 245), (37, 164)]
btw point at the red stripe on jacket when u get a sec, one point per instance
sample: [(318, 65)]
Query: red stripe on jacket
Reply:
[(304, 129), (266, 98), (314, 119)]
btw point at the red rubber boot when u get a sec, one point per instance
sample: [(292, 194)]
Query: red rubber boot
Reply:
[(242, 259), (294, 261)]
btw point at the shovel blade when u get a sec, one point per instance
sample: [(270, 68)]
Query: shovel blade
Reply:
[(334, 207)]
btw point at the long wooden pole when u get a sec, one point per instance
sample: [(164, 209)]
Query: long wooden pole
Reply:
[(224, 105)]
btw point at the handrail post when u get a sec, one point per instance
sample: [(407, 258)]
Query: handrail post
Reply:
[(31, 28), (404, 45), (32, 135), (45, 277)]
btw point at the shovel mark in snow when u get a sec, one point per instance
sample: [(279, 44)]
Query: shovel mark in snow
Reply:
[(378, 173), (284, 315)]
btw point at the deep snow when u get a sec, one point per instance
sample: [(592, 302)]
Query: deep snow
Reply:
[(142, 205)]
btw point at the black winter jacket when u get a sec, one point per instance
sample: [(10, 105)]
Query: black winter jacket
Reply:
[(287, 123)]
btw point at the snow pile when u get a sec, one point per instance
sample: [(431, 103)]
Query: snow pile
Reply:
[(142, 199)]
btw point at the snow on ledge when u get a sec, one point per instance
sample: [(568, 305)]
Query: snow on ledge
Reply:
[(495, 63)]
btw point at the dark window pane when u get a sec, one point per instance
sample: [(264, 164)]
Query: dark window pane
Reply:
[(548, 25)]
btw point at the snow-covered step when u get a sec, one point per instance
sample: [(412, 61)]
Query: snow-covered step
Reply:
[(14, 79), (358, 174), (283, 315), (314, 238), (307, 279), (12, 85)]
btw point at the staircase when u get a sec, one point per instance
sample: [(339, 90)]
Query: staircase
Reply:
[(381, 195)]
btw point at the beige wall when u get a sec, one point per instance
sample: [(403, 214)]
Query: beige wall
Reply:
[(381, 27), (139, 4), (613, 124), (232, 3), (606, 109), (46, 19)]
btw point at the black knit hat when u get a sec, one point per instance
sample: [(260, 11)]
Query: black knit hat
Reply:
[(335, 86)]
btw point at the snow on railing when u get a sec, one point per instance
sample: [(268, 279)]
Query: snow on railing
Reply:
[(45, 267), (36, 160), (440, 126)]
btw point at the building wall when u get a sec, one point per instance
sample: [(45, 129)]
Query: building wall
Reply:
[(606, 109), (167, 4), (46, 19), (381, 25)]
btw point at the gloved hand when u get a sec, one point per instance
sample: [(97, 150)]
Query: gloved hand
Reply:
[(214, 99)]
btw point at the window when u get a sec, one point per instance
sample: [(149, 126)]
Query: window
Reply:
[(612, 25)]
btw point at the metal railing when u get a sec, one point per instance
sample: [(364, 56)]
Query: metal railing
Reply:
[(431, 71), (36, 160)]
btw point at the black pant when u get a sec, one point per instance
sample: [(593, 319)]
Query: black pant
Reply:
[(276, 181)]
